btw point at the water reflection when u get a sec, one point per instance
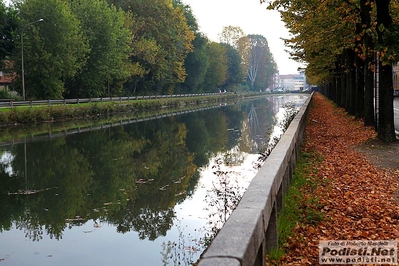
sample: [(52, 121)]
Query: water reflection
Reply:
[(223, 196), (185, 249), (283, 119), (141, 186)]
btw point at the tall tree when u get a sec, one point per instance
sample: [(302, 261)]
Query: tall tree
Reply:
[(196, 61), (8, 27), (235, 74), (385, 30), (234, 37), (196, 64), (244, 48), (218, 64), (54, 49), (368, 57), (110, 41), (231, 35), (169, 37), (261, 61)]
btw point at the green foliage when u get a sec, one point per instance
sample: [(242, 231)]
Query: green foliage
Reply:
[(107, 65), (4, 94), (30, 116), (4, 118), (8, 27), (245, 87), (98, 48), (196, 64), (188, 14), (54, 49), (390, 36), (234, 71), (165, 29), (56, 113), (230, 35), (196, 61), (218, 64)]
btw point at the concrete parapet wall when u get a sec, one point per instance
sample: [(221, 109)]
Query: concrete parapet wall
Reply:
[(251, 229)]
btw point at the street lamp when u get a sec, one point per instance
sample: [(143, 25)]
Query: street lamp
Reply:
[(22, 56)]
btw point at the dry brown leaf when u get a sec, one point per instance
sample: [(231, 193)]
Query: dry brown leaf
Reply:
[(359, 202)]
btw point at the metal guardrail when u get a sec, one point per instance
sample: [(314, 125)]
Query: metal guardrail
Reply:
[(251, 229), (10, 103)]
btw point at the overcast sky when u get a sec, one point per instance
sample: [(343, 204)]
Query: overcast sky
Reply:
[(252, 18)]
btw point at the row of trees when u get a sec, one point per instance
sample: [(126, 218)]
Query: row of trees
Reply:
[(350, 46), (94, 48)]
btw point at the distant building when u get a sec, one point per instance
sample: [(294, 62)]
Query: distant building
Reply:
[(6, 77), (5, 80), (293, 82), (287, 81)]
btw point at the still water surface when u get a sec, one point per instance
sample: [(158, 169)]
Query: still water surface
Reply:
[(146, 193)]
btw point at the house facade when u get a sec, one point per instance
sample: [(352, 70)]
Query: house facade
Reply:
[(6, 78)]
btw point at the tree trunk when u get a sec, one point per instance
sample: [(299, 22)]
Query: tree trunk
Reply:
[(352, 82), (369, 113), (337, 83), (359, 77), (359, 88), (338, 88), (343, 82), (386, 130)]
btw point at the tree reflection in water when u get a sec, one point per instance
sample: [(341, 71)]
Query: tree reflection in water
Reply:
[(226, 190), (186, 250), (222, 198), (284, 118)]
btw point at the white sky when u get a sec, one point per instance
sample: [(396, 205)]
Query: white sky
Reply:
[(252, 18)]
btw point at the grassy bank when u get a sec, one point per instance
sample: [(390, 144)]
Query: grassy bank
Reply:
[(40, 114), (18, 131)]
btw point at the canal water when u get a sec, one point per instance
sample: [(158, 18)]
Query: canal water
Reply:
[(143, 193)]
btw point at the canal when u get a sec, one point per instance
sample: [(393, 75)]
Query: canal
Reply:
[(143, 193)]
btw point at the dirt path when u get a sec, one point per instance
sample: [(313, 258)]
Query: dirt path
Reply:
[(382, 155), (360, 184)]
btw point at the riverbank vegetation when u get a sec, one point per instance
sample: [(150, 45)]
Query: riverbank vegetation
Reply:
[(110, 48), (134, 108)]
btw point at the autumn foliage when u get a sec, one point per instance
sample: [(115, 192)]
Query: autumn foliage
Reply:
[(359, 201)]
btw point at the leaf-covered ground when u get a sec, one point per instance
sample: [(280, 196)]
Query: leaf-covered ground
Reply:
[(359, 201)]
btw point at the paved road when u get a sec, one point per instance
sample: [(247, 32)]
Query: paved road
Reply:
[(396, 111)]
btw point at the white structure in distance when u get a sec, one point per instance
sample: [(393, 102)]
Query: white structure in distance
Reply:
[(291, 82)]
